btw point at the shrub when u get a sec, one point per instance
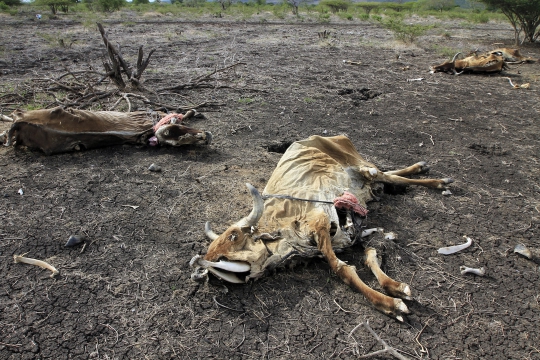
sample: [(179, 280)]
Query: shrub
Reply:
[(404, 32), (11, 2), (139, 2), (438, 5), (110, 5), (524, 15)]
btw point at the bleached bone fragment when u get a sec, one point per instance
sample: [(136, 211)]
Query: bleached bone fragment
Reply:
[(467, 270), (454, 249), (411, 80), (523, 250), (368, 232), (234, 266), (447, 193), (41, 264), (390, 236)]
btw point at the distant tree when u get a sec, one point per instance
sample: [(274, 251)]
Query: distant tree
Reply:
[(138, 2), (12, 2), (295, 4), (56, 5), (438, 5), (336, 5), (225, 4), (368, 6), (524, 15)]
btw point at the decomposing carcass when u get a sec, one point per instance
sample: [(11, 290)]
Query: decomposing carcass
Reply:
[(473, 64), (313, 205), (61, 130)]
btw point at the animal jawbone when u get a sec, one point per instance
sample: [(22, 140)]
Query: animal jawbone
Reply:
[(229, 271)]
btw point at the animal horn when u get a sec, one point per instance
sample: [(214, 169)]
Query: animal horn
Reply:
[(455, 56), (208, 231), (258, 206)]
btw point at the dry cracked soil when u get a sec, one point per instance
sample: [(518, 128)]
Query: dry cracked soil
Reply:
[(128, 295)]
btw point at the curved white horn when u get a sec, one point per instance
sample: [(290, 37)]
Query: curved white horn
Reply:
[(258, 206), (455, 56), (208, 231)]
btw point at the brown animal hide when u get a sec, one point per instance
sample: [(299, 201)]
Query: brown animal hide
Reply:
[(512, 55), (298, 217), (57, 130)]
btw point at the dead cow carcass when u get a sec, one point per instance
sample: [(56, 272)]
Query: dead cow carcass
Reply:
[(474, 63), (312, 206), (58, 130)]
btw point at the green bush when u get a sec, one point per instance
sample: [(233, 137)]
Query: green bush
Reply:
[(11, 2), (3, 6), (139, 2), (363, 16), (336, 5), (437, 5), (110, 5), (404, 32)]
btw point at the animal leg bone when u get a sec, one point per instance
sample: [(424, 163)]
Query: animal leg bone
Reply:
[(386, 304), (398, 180), (42, 264), (389, 285), (418, 168)]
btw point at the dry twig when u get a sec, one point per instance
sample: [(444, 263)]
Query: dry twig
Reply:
[(387, 348)]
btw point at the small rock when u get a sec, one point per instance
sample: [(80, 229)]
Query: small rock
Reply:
[(447, 193), (75, 240), (154, 168), (21, 192)]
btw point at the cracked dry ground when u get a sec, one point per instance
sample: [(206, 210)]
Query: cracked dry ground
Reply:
[(129, 295)]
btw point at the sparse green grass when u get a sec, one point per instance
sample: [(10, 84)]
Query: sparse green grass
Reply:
[(245, 100), (446, 51)]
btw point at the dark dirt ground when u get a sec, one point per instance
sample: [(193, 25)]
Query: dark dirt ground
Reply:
[(129, 294)]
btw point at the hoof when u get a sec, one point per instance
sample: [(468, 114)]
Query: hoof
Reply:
[(423, 167)]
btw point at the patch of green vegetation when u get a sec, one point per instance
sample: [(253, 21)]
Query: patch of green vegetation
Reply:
[(404, 32), (245, 100), (129, 23), (445, 51), (309, 100)]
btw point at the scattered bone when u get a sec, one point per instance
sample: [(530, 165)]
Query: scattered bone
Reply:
[(5, 118), (352, 62), (42, 264), (387, 348), (75, 240), (390, 236), (154, 168), (134, 207), (517, 86), (418, 79), (368, 232), (468, 270), (454, 249), (523, 250), (447, 193), (21, 192)]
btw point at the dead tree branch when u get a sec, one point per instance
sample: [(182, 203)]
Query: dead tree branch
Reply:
[(201, 80), (118, 65)]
